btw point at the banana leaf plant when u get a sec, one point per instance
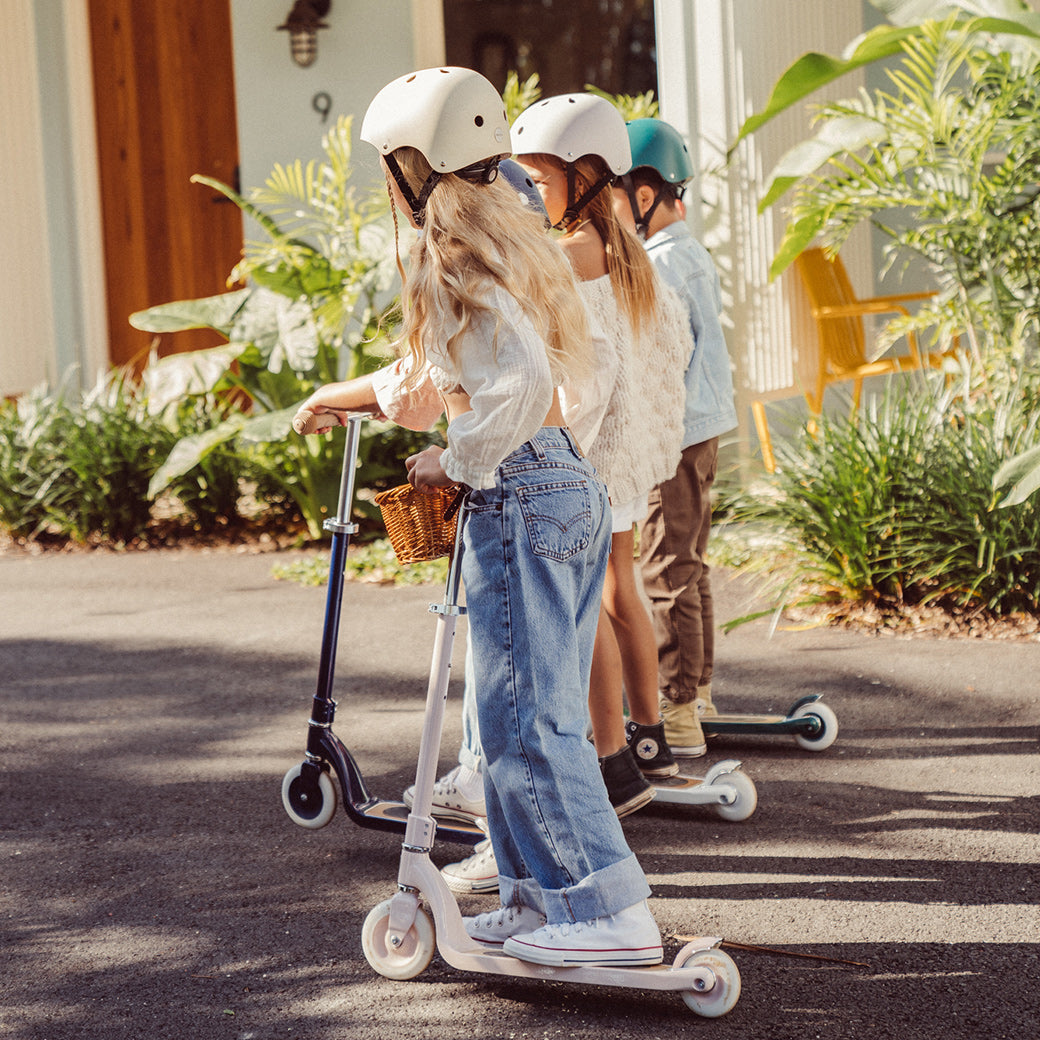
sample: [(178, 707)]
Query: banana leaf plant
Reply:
[(316, 303)]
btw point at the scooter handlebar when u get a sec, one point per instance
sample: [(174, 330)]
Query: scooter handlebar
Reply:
[(306, 422)]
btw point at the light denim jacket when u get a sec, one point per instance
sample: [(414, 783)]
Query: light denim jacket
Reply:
[(687, 267)]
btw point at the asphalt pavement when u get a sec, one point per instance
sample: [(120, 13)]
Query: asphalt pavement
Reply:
[(153, 887)]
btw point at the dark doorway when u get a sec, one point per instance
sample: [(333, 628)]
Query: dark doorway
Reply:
[(569, 43)]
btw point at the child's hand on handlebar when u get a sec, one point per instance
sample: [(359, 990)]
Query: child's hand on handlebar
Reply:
[(316, 418)]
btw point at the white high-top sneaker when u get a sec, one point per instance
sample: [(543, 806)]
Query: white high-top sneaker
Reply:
[(629, 938)]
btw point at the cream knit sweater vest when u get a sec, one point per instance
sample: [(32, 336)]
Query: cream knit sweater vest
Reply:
[(639, 443)]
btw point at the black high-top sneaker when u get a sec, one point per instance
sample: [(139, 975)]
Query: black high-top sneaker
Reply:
[(652, 753), (627, 788)]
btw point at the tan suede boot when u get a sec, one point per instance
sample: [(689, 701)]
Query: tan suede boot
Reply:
[(682, 728), (703, 702)]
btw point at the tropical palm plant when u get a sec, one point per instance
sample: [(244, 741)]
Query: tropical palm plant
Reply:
[(944, 165), (317, 302)]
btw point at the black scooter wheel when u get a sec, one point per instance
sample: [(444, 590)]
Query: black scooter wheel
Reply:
[(309, 804)]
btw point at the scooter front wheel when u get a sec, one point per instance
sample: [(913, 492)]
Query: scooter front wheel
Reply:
[(722, 996), (827, 732), (309, 804), (397, 962)]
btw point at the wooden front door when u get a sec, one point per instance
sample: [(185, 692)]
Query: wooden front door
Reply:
[(165, 102)]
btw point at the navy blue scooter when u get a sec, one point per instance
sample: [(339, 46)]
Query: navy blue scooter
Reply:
[(308, 792)]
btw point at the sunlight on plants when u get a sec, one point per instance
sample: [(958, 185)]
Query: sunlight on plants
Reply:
[(373, 562)]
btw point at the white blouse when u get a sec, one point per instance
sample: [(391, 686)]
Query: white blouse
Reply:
[(503, 367)]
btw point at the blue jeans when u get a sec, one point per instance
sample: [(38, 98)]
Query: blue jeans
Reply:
[(536, 548)]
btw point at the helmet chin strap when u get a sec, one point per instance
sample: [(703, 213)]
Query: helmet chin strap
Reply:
[(574, 207), (418, 203), (642, 220), (483, 172)]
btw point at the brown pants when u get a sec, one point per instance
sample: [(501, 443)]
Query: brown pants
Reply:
[(672, 547)]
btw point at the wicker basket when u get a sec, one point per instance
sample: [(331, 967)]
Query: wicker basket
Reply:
[(415, 522)]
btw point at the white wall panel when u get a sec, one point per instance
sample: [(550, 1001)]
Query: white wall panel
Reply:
[(26, 324), (718, 61)]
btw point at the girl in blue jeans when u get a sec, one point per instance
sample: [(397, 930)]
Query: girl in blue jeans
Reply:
[(493, 319)]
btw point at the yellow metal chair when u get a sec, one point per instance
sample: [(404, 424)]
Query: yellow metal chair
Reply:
[(841, 335)]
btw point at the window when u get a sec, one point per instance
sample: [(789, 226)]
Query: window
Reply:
[(569, 43)]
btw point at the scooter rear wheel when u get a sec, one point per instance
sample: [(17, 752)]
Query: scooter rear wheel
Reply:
[(404, 961), (746, 796), (311, 806), (723, 995), (828, 727)]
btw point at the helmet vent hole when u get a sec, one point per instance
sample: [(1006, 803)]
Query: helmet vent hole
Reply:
[(410, 79), (478, 120)]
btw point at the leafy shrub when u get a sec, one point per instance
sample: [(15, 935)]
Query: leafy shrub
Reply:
[(31, 431), (80, 469), (896, 504), (313, 312), (211, 492)]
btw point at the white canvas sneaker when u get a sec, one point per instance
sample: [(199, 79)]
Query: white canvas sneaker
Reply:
[(455, 797), (477, 873), (494, 928), (629, 938)]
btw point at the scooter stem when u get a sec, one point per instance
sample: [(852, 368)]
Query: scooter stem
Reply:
[(421, 828)]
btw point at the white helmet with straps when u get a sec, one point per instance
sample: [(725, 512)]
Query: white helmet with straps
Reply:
[(454, 116), (572, 125)]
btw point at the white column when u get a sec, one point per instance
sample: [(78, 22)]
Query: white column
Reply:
[(428, 33), (717, 63), (26, 321), (678, 62), (85, 330)]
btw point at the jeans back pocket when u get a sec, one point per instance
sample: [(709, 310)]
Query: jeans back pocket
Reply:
[(558, 517)]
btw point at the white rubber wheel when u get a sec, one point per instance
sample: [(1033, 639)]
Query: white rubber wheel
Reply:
[(405, 961), (746, 800), (724, 994), (308, 807), (828, 732)]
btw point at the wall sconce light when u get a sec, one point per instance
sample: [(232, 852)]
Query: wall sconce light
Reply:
[(303, 23)]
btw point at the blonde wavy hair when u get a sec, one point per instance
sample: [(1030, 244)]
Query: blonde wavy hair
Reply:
[(476, 236), (631, 271)]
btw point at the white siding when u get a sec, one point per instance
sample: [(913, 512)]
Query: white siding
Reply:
[(734, 51), (26, 324)]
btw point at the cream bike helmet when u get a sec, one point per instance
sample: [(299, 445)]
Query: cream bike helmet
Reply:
[(453, 116), (569, 126)]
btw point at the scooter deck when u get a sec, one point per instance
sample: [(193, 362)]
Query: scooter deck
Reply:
[(725, 788), (709, 723), (675, 783), (797, 720), (393, 816)]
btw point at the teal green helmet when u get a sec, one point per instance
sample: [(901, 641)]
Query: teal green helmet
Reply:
[(659, 145)]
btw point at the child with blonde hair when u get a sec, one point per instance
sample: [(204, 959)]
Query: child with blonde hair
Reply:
[(492, 317), (573, 146)]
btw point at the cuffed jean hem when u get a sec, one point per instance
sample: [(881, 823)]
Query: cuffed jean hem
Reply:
[(606, 891)]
